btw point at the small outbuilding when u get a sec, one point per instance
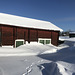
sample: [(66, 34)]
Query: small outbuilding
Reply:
[(15, 27), (71, 34)]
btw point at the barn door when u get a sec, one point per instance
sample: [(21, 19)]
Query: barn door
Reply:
[(0, 39)]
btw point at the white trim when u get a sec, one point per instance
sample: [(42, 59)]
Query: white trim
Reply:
[(44, 38)]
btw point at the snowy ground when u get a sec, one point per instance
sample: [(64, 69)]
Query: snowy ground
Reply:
[(38, 59), (33, 48)]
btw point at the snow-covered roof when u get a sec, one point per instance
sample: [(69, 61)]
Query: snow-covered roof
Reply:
[(27, 22), (71, 32)]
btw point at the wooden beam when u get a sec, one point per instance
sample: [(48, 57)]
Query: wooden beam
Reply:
[(14, 35), (1, 36), (37, 35), (28, 35), (24, 35)]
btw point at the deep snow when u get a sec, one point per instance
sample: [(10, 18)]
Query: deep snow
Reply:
[(38, 59)]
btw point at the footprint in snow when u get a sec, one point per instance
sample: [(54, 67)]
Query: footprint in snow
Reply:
[(31, 65), (41, 67), (27, 67), (40, 61), (29, 70), (25, 74)]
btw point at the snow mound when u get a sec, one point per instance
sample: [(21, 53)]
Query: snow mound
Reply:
[(66, 68), (49, 69), (33, 48)]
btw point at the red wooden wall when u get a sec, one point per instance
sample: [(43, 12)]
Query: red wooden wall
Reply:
[(33, 35), (44, 34), (7, 35), (11, 33), (55, 38)]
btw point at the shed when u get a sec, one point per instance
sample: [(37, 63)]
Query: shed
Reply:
[(71, 34), (15, 27)]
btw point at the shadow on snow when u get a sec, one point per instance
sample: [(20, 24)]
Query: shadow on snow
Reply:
[(50, 69), (65, 54)]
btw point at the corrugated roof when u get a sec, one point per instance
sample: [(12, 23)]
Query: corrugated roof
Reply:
[(27, 22)]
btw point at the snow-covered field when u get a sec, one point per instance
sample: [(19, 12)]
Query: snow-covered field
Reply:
[(38, 59)]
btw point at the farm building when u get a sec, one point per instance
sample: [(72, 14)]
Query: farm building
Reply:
[(14, 27), (71, 34)]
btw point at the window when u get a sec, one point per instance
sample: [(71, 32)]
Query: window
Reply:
[(19, 42), (44, 41)]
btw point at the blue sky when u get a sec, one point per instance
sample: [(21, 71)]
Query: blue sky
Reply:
[(59, 12)]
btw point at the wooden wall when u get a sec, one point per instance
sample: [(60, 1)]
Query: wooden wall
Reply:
[(7, 35), (11, 33), (44, 34), (33, 35), (55, 38)]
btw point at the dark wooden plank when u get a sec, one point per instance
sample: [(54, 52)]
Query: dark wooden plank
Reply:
[(28, 35)]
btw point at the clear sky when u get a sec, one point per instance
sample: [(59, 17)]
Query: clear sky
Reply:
[(59, 12)]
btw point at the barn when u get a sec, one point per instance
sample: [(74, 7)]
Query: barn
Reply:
[(15, 27)]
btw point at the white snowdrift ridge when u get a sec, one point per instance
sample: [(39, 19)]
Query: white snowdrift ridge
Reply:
[(33, 48), (27, 22), (66, 68)]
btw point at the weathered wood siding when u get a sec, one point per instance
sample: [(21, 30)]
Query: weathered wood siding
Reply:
[(33, 35), (55, 38), (22, 33), (44, 34), (7, 35), (0, 36), (10, 33)]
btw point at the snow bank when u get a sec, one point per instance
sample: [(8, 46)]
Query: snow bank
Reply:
[(33, 48), (63, 38), (66, 68), (66, 38), (63, 59)]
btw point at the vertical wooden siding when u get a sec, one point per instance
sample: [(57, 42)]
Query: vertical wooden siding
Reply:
[(11, 33), (7, 35), (33, 35), (0, 35), (44, 34), (22, 33), (55, 38)]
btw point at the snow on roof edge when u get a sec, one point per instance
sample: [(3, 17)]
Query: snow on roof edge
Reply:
[(24, 22), (71, 32), (31, 27)]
